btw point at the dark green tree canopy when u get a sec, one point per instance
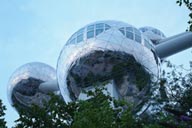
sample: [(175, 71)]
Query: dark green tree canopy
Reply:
[(2, 113), (188, 5)]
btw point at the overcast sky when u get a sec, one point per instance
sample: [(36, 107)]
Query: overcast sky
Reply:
[(36, 30)]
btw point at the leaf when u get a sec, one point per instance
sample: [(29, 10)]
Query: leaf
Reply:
[(179, 2), (190, 28), (190, 15), (186, 1)]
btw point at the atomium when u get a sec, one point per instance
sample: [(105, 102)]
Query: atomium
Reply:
[(23, 86), (153, 34), (114, 54), (110, 52)]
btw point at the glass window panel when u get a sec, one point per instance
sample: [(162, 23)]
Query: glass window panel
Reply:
[(122, 31), (80, 38), (80, 31), (129, 35), (130, 29), (98, 31), (91, 27), (73, 41), (107, 27), (137, 31), (143, 29), (73, 36), (156, 31), (100, 26), (138, 38), (90, 34)]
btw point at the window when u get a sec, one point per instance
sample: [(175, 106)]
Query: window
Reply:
[(156, 31), (137, 38), (94, 30), (122, 30), (130, 29), (143, 29), (80, 31), (129, 35), (80, 38), (91, 27), (76, 37), (107, 27), (90, 34), (137, 32), (90, 31), (99, 28), (98, 31), (73, 41), (80, 35)]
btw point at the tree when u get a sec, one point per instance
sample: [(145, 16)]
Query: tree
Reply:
[(188, 5), (95, 112), (177, 105), (54, 114), (99, 111), (2, 113)]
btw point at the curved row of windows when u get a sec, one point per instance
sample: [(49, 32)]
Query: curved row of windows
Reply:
[(96, 29), (131, 33), (155, 31), (92, 31)]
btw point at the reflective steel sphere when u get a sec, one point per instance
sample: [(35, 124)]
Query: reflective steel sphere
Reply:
[(23, 86), (108, 51)]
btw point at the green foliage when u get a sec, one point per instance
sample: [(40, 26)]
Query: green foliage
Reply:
[(188, 5), (94, 112), (172, 102), (177, 84), (54, 114), (2, 113), (186, 101), (99, 111)]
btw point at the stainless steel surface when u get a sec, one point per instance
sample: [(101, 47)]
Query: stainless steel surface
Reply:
[(111, 39), (23, 86), (173, 45)]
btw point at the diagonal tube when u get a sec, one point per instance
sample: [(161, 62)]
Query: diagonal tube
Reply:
[(174, 44)]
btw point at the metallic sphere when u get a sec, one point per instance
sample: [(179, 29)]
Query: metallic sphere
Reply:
[(155, 35), (105, 52), (23, 86)]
